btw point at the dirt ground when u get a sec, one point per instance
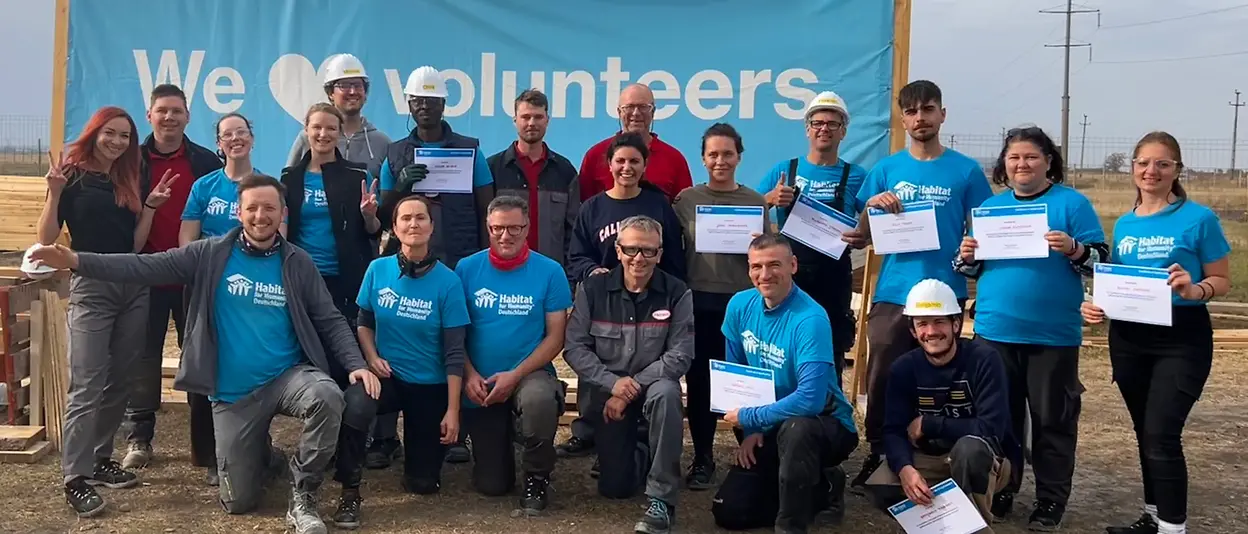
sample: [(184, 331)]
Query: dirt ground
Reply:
[(173, 497)]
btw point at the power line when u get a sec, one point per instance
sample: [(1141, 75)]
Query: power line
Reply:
[(1069, 11), (1169, 59), (1171, 19), (1235, 129)]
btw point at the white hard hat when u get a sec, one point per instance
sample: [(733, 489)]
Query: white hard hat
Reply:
[(343, 66), (35, 271), (830, 101), (425, 81), (931, 298)]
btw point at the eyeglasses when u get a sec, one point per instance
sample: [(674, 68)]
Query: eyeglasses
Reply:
[(241, 133), (646, 252), (819, 125), (629, 108), (425, 101), (513, 231), (350, 86), (1161, 164)]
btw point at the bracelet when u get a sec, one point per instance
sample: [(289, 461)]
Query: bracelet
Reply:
[(1212, 292), (146, 205), (1074, 247), (1203, 294)]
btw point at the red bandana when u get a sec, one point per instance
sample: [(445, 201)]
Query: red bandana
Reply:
[(510, 264)]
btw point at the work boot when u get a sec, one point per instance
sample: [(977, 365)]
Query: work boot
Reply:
[(348, 514), (459, 453), (701, 474), (108, 473), (658, 519), (83, 498), (1144, 525), (836, 494), (139, 455), (213, 478), (381, 452), (303, 515), (536, 495), (1002, 505), (1047, 517), (574, 447), (869, 465), (595, 470)]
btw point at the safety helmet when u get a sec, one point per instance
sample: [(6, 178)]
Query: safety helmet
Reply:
[(931, 298), (425, 81), (343, 66), (829, 101)]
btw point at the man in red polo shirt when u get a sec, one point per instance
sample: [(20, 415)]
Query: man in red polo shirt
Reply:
[(666, 168), (166, 149)]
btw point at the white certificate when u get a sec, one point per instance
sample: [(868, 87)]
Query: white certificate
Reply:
[(726, 229), (951, 512), (740, 386), (818, 226), (912, 230), (450, 170), (1136, 294), (1011, 232)]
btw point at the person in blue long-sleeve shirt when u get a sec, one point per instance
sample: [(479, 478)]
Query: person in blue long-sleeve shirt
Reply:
[(946, 411), (796, 444)]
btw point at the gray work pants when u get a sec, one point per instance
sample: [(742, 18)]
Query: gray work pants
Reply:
[(243, 439), (107, 326), (627, 458), (537, 404)]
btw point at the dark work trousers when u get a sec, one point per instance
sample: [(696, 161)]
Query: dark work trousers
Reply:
[(384, 426), (423, 406), (1161, 372), (642, 449), (1044, 379), (832, 289), (357, 415), (203, 429), (145, 388), (708, 319), (787, 484), (532, 411)]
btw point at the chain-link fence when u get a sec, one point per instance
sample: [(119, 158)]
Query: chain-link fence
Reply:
[(23, 144)]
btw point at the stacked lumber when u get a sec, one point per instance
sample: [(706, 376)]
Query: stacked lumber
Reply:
[(22, 444), (21, 201), (50, 373)]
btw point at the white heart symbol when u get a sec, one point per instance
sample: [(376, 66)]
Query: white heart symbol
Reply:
[(296, 84)]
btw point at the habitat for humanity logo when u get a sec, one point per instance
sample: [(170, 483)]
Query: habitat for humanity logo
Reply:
[(908, 192), (506, 304), (768, 353), (218, 206), (262, 294), (315, 197), (1146, 248), (408, 308)]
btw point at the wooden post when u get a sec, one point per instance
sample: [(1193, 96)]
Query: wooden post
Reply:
[(60, 69)]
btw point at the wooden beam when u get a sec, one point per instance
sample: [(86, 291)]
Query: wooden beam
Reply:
[(19, 438), (901, 71), (60, 78), (28, 456)]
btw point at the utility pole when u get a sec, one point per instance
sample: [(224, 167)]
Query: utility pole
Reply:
[(1069, 11), (1235, 132), (1083, 142)]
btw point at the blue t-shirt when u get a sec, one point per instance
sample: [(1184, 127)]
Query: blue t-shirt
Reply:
[(795, 340), (956, 184), (410, 314), (316, 229), (481, 174), (819, 182), (508, 308), (213, 202), (1186, 233), (1009, 307), (255, 336)]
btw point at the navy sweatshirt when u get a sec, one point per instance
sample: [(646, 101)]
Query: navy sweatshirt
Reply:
[(593, 237), (966, 397)]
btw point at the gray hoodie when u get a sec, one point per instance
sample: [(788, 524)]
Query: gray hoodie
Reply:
[(367, 147)]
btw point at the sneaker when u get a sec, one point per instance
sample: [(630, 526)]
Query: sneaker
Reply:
[(836, 494), (1144, 525), (574, 447), (302, 514), (83, 498), (348, 514), (594, 470), (1047, 517), (869, 465), (658, 519), (701, 474), (139, 455), (213, 478), (1002, 505), (108, 473), (381, 452), (536, 489)]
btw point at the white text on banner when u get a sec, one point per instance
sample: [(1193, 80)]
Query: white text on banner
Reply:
[(818, 226), (1135, 294)]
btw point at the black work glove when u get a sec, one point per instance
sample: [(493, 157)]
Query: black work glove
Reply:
[(410, 176)]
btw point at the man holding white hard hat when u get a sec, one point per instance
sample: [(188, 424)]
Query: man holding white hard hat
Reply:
[(347, 85)]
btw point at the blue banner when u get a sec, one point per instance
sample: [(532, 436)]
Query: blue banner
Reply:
[(751, 63)]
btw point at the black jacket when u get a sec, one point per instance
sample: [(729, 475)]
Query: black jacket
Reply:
[(203, 161), (342, 180), (558, 197)]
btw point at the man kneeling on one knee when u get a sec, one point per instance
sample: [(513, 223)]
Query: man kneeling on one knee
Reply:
[(947, 414), (788, 462), (629, 340), (260, 322)]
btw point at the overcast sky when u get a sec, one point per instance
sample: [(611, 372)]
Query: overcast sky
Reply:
[(987, 55)]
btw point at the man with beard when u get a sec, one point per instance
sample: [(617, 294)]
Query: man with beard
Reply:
[(347, 85), (270, 324), (667, 168), (927, 171), (458, 218), (531, 170), (948, 414), (166, 150)]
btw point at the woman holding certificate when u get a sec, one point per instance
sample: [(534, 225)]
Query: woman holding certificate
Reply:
[(714, 278), (1049, 232), (1161, 370)]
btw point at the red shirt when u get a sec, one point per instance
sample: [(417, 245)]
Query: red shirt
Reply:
[(531, 169), (167, 221), (666, 168)]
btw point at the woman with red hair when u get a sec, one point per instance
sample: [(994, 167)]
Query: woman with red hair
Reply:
[(94, 189)]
